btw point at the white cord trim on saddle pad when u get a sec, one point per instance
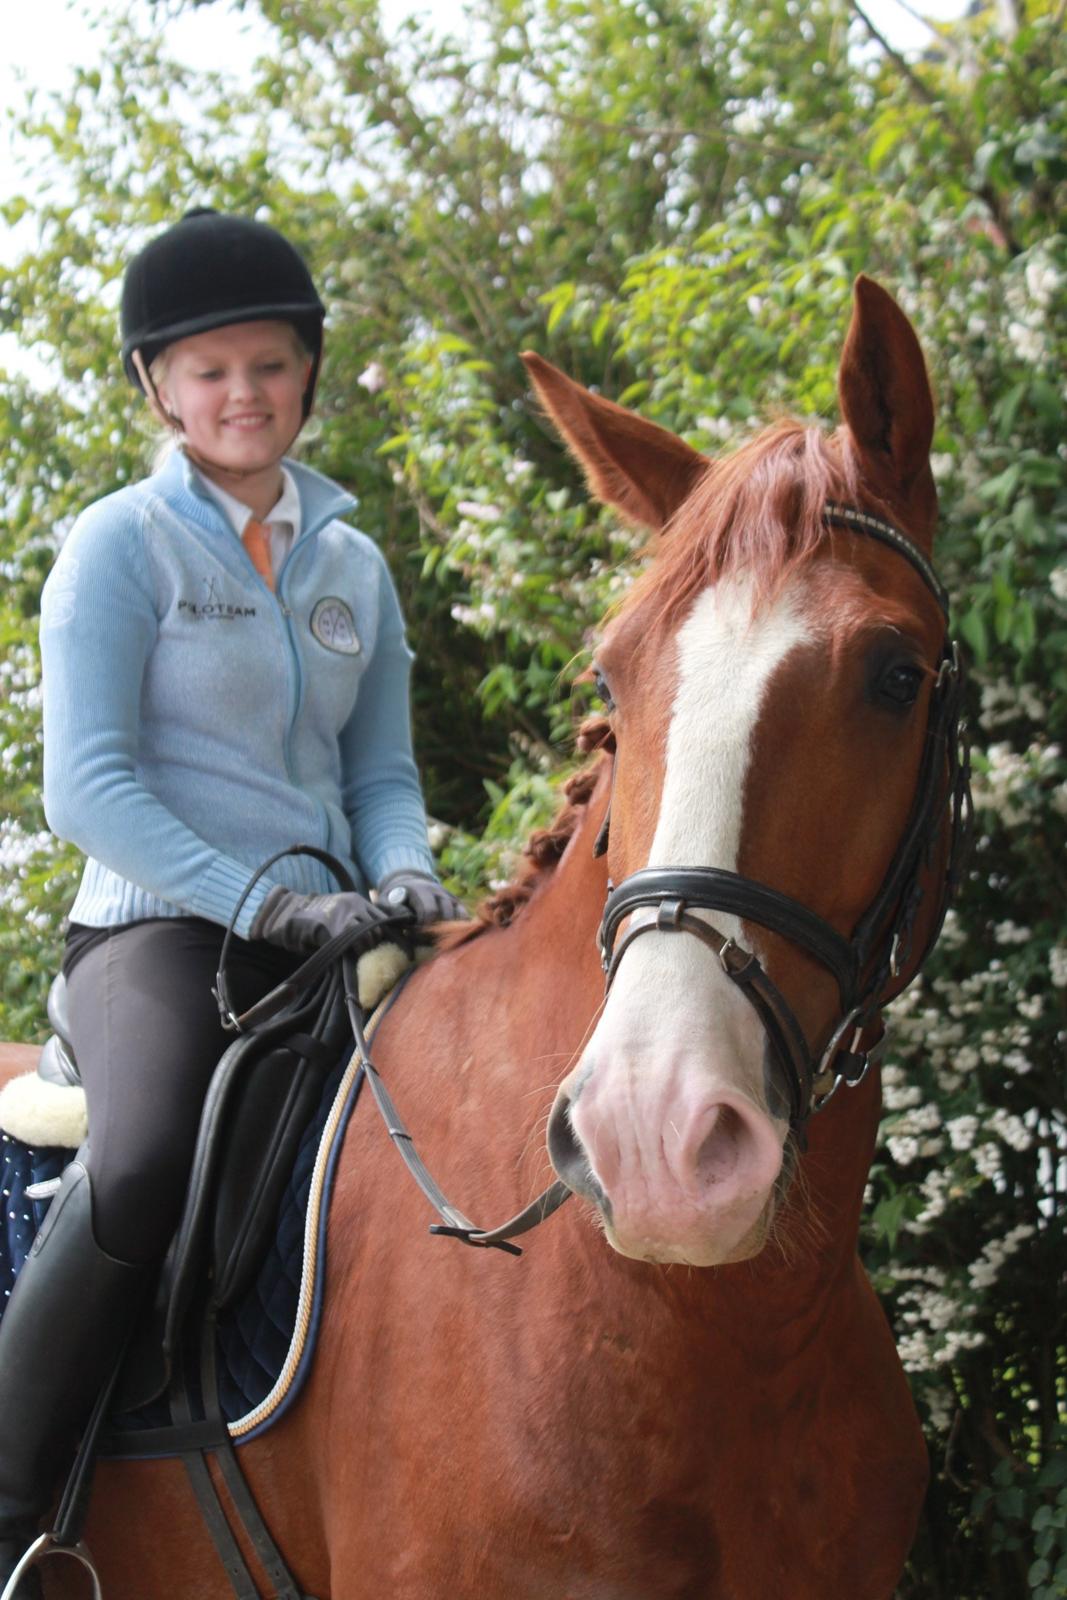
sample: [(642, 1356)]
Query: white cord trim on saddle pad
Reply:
[(297, 1344), (43, 1114)]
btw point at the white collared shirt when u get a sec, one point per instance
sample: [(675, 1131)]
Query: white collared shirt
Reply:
[(283, 520)]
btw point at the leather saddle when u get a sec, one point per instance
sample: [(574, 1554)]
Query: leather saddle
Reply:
[(57, 1064), (265, 1089)]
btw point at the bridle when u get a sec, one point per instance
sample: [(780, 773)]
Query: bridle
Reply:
[(866, 965)]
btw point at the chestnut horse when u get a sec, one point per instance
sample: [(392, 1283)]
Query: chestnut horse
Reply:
[(686, 1389)]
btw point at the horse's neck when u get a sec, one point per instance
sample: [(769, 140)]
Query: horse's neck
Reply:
[(538, 984)]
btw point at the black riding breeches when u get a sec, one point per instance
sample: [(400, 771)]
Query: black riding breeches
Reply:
[(146, 1032)]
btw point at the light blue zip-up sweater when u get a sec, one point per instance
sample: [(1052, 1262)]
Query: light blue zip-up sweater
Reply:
[(195, 722)]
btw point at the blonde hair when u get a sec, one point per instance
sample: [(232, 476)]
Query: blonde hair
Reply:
[(164, 437), (158, 369)]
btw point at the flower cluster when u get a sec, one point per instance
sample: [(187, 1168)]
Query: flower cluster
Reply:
[(996, 1253), (1009, 782), (23, 854), (1029, 294), (1003, 702), (937, 1323)]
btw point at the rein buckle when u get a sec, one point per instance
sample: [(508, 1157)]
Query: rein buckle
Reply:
[(950, 668), (735, 960), (896, 956), (230, 1022)]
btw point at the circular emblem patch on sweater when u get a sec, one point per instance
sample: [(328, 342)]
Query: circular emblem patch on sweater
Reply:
[(333, 625)]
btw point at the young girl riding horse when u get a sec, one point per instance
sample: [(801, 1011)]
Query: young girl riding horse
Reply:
[(225, 673)]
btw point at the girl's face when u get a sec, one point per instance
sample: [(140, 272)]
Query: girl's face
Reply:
[(238, 392)]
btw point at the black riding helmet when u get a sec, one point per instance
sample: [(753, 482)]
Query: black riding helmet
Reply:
[(210, 270)]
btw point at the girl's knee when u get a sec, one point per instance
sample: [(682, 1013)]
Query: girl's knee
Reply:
[(137, 1206)]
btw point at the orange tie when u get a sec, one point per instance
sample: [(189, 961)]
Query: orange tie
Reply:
[(256, 540)]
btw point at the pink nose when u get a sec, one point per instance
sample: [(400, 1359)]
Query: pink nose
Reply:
[(686, 1185)]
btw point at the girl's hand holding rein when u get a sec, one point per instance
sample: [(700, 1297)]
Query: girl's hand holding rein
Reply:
[(303, 922)]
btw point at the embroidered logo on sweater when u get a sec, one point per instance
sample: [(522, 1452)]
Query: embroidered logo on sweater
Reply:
[(334, 626), (212, 608)]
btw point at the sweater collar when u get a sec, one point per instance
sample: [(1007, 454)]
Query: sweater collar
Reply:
[(287, 513), (180, 485)]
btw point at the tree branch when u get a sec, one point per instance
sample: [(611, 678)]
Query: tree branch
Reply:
[(945, 40), (902, 65)]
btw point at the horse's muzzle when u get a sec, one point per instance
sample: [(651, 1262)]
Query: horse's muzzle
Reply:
[(699, 1192)]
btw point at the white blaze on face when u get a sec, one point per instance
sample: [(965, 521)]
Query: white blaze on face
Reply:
[(726, 658), (668, 1099)]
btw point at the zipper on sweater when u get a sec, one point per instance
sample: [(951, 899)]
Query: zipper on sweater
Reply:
[(297, 690), (298, 677), (304, 542), (298, 680)]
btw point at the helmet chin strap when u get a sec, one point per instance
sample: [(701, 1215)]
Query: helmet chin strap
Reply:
[(170, 420)]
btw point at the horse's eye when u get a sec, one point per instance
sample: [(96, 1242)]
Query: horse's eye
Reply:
[(899, 685), (602, 689)]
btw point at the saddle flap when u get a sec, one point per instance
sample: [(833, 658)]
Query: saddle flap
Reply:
[(257, 1105), (275, 1105), (259, 1101)]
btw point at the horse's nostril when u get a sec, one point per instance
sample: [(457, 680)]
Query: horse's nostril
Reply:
[(566, 1154), (564, 1151), (720, 1149), (734, 1151)]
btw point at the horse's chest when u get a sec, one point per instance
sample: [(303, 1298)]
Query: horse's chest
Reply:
[(627, 1487)]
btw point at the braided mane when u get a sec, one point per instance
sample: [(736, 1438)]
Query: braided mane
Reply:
[(543, 849)]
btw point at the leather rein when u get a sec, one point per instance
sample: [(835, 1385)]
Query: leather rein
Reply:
[(880, 948)]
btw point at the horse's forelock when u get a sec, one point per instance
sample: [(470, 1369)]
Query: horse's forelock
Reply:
[(757, 511)]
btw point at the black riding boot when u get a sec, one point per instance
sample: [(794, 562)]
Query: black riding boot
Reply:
[(59, 1338)]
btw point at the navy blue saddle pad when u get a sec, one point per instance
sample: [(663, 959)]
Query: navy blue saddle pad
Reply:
[(266, 1342)]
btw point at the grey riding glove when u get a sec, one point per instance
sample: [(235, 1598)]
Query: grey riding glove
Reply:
[(303, 922), (430, 900)]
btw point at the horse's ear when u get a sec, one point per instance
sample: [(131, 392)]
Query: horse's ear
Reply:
[(641, 469), (887, 405)]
